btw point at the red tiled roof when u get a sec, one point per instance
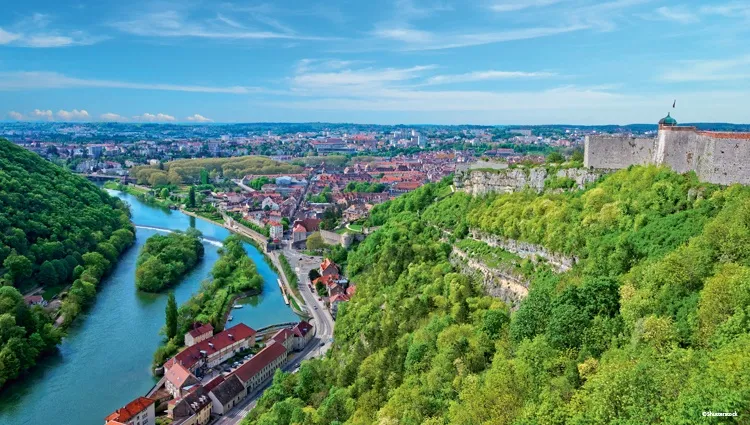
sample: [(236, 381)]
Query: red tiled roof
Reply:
[(190, 356), (264, 357), (282, 335), (339, 297), (131, 409), (351, 290), (302, 328), (178, 375), (201, 330), (214, 383), (299, 229)]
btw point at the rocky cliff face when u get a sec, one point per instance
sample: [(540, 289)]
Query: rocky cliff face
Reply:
[(506, 285), (561, 263), (480, 182)]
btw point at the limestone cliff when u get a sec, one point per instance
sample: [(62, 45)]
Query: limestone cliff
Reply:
[(481, 181)]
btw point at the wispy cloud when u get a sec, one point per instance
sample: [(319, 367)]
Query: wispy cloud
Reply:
[(52, 80), (512, 6), (15, 115), (709, 70), (486, 75), (34, 31), (730, 10), (356, 79), (160, 117), (424, 40), (199, 118), (177, 23), (676, 14)]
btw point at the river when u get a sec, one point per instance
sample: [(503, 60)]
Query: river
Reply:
[(104, 361)]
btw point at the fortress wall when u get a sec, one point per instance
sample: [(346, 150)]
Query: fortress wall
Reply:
[(727, 161), (615, 152), (720, 160)]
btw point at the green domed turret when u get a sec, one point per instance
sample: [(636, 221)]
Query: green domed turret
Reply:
[(668, 121)]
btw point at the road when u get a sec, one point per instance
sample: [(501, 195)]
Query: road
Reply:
[(243, 186), (302, 264), (322, 324), (312, 350)]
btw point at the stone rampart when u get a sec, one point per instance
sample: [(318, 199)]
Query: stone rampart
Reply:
[(716, 157)]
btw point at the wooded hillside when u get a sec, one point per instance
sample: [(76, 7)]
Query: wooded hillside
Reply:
[(652, 325), (56, 229)]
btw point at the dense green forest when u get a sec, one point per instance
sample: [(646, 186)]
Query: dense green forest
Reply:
[(165, 259), (234, 273), (190, 171), (56, 230), (652, 325)]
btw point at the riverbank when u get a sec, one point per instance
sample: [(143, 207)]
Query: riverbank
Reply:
[(111, 349), (298, 306)]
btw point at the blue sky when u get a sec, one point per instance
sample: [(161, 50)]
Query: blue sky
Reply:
[(390, 61)]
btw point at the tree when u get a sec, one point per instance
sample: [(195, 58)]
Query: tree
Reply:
[(18, 266), (171, 313), (555, 158), (47, 274), (191, 198), (204, 176), (164, 194), (315, 242)]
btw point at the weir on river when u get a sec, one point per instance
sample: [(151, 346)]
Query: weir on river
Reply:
[(105, 360)]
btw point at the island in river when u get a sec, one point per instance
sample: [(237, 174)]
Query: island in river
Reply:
[(105, 361)]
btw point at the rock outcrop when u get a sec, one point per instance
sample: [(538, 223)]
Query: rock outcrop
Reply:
[(481, 181)]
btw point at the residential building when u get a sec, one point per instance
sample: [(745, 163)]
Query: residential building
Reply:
[(198, 334), (227, 394), (276, 230), (328, 267), (193, 409), (178, 379), (302, 229), (262, 366), (303, 333), (138, 412), (214, 350)]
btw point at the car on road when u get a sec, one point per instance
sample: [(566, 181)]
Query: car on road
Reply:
[(322, 343), (316, 307)]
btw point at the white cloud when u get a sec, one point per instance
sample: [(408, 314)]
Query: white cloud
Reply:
[(8, 37), (109, 116), (512, 6), (423, 40), (486, 75), (355, 80), (199, 118), (709, 70), (49, 80), (174, 24), (15, 115), (33, 31), (407, 35), (729, 10), (74, 115), (154, 118), (42, 114), (677, 14)]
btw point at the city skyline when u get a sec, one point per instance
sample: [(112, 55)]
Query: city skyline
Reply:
[(391, 62)]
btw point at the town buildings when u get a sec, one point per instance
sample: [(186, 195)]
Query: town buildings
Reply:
[(194, 401), (138, 412), (214, 350)]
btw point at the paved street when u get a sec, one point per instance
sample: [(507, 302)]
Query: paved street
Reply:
[(321, 321)]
